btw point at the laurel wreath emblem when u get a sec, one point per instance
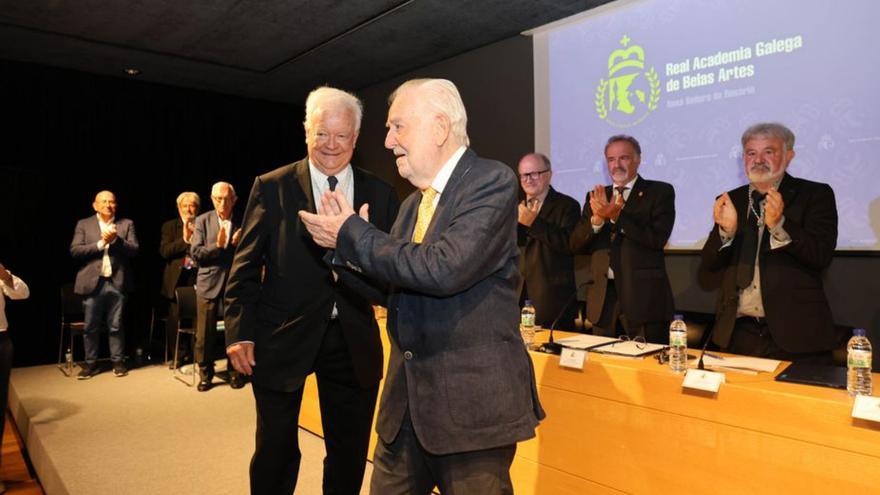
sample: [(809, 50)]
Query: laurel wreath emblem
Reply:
[(600, 99), (654, 81)]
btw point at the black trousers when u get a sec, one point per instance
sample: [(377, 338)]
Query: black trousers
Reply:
[(751, 337), (346, 415), (404, 467), (613, 323), (5, 369)]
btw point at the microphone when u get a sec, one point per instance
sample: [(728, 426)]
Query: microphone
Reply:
[(705, 345), (551, 347)]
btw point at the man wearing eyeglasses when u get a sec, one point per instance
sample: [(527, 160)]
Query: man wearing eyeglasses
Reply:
[(625, 227), (546, 219)]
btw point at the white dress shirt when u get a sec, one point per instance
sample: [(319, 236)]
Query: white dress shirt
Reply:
[(18, 290)]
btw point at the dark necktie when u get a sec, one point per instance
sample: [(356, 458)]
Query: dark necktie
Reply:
[(332, 181), (745, 270)]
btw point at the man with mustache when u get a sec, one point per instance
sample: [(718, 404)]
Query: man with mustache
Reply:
[(625, 227), (771, 240)]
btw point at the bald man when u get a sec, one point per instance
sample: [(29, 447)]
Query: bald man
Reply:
[(104, 244)]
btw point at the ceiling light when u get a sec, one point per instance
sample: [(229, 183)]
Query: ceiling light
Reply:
[(132, 72)]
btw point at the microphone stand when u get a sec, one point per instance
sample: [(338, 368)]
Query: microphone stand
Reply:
[(551, 347), (705, 345)]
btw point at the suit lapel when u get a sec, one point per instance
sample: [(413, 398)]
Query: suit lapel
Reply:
[(458, 173), (360, 195), (305, 183)]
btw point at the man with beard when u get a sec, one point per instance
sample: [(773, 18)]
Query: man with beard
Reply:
[(625, 227), (771, 240)]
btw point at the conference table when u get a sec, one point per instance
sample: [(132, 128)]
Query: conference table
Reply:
[(623, 425)]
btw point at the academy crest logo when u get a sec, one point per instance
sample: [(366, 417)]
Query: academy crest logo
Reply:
[(631, 93)]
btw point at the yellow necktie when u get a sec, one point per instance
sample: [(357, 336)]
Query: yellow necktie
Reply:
[(426, 211)]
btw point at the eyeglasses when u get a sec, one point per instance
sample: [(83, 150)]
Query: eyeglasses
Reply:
[(532, 175), (638, 341)]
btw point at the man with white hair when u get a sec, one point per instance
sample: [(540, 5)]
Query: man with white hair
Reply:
[(771, 241), (180, 270), (460, 388), (212, 246), (289, 315)]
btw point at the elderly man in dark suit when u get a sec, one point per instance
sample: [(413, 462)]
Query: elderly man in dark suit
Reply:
[(625, 227), (546, 219), (104, 245), (214, 238), (771, 241), (460, 389), (288, 315), (180, 269)]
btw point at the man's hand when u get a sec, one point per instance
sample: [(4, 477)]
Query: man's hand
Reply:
[(5, 276), (221, 238), (241, 355), (528, 212), (236, 236), (602, 208), (725, 214), (109, 235), (324, 226), (773, 208), (188, 228)]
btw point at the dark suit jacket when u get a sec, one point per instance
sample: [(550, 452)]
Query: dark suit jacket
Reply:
[(286, 312), (457, 359), (795, 305), (213, 261), (173, 250), (546, 262), (84, 248), (637, 241)]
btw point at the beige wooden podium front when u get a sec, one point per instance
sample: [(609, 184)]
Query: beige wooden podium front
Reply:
[(627, 426)]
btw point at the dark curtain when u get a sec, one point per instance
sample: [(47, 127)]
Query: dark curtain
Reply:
[(71, 134)]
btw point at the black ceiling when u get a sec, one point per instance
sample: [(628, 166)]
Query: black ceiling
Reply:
[(269, 49)]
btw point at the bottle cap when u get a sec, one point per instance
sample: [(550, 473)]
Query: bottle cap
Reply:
[(859, 332), (528, 302), (678, 317)]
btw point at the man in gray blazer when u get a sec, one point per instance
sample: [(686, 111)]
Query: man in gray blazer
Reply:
[(212, 245), (460, 388), (103, 244)]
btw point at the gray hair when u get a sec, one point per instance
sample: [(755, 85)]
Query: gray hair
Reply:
[(770, 129), (188, 195), (442, 96), (220, 184), (325, 98), (624, 138)]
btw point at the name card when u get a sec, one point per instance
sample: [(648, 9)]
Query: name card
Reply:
[(866, 407), (572, 358), (707, 381)]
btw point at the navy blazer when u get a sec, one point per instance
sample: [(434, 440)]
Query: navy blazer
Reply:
[(213, 261), (84, 248), (457, 360)]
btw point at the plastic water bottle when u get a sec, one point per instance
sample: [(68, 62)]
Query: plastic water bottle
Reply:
[(858, 364), (68, 360), (527, 322), (678, 344)]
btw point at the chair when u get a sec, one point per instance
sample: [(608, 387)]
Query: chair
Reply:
[(72, 321), (154, 319), (186, 324)]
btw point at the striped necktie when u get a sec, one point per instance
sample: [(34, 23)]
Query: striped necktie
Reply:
[(426, 211)]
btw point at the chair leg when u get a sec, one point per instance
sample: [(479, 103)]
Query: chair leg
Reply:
[(175, 370), (62, 363)]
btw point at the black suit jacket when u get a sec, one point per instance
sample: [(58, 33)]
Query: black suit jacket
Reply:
[(636, 242), (795, 305), (457, 361), (285, 310), (84, 248), (546, 262), (173, 250)]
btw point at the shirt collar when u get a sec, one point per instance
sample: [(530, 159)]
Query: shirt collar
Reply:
[(321, 178), (442, 177), (102, 222)]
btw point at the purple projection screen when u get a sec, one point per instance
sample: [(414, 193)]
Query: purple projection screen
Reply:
[(686, 78)]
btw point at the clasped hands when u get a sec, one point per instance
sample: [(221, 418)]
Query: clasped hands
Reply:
[(604, 210), (334, 211), (724, 213)]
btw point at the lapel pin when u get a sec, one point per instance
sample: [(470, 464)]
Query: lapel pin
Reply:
[(641, 193)]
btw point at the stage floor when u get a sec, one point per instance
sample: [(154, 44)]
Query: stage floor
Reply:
[(143, 433)]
